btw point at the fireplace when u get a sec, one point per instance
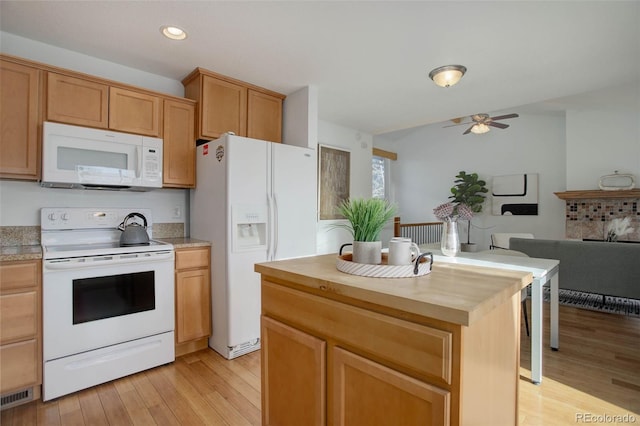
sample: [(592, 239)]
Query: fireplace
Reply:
[(589, 213)]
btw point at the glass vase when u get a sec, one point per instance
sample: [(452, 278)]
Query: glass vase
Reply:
[(450, 242)]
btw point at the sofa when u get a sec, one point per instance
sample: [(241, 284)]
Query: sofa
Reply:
[(606, 268)]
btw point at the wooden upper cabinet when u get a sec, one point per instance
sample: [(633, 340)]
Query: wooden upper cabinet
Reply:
[(264, 116), (19, 114), (223, 108), (179, 148), (229, 105), (77, 101), (134, 112)]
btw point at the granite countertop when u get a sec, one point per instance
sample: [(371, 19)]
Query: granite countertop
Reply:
[(19, 252), (184, 242), (460, 294)]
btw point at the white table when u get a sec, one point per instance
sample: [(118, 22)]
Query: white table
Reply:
[(543, 271)]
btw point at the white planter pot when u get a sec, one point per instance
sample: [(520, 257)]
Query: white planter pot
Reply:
[(369, 252)]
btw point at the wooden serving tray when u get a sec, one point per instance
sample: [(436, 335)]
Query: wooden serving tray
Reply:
[(421, 266)]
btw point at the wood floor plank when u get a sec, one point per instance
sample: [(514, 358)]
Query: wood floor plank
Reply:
[(48, 414), (206, 412), (221, 368), (248, 410), (224, 407), (91, 407), (114, 409), (172, 396), (135, 407)]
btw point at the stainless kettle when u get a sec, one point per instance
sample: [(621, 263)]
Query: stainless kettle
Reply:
[(133, 234)]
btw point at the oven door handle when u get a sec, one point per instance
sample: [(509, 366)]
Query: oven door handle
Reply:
[(119, 259)]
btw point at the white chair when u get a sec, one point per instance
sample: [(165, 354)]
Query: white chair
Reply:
[(500, 241)]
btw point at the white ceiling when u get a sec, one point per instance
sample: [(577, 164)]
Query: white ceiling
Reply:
[(369, 60)]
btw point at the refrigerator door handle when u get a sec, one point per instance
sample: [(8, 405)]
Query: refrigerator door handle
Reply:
[(271, 237), (275, 226)]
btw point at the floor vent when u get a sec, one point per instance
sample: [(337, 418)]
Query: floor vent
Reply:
[(244, 348), (16, 398)]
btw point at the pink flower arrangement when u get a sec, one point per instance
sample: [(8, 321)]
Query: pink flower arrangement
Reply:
[(448, 212)]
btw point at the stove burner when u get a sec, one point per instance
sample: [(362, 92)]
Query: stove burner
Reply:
[(135, 244)]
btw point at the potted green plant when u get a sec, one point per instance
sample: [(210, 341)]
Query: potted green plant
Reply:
[(469, 190), (366, 218)]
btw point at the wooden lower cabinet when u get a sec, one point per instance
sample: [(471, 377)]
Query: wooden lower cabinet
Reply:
[(20, 327), (293, 372), (360, 385), (192, 299), (328, 362)]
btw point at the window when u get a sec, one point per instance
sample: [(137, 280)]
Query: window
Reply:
[(380, 170)]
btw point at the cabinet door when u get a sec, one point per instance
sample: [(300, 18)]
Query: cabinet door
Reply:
[(293, 376), (223, 108), (264, 116), (134, 112), (76, 101), (19, 365), (179, 148), (366, 393), (193, 315), (19, 106), (18, 316)]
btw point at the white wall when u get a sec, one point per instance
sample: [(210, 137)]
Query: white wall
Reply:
[(20, 201), (359, 144), (430, 157), (300, 118), (12, 44), (600, 142)]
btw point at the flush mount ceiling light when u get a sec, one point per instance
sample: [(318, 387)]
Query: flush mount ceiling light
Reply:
[(480, 128), (448, 75), (172, 32)]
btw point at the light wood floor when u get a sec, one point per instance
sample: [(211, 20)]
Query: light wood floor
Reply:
[(595, 373)]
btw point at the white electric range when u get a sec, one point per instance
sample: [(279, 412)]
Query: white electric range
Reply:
[(108, 311)]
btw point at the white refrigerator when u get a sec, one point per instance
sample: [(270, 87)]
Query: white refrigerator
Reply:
[(255, 201)]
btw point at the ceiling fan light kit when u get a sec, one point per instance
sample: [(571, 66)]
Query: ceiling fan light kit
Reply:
[(480, 123), (479, 128), (447, 75)]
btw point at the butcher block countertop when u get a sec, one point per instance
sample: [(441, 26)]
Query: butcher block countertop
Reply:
[(459, 294)]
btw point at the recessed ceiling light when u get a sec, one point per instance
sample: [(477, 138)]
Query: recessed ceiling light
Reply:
[(172, 32)]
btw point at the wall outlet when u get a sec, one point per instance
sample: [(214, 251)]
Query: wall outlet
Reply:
[(177, 212)]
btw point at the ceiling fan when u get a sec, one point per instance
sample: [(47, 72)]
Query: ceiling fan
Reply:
[(480, 123)]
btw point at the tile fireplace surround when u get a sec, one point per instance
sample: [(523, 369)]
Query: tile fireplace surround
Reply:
[(588, 213)]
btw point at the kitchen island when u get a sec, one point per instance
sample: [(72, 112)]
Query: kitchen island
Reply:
[(340, 349)]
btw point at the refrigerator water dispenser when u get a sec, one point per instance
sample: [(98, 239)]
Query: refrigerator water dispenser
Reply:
[(249, 227)]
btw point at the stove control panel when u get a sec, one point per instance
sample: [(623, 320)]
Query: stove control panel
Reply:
[(56, 218)]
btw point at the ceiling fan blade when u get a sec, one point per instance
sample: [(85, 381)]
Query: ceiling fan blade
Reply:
[(498, 125), (454, 125), (468, 130), (503, 117)]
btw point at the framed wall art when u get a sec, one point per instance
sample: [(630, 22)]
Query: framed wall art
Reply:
[(515, 195), (334, 166)]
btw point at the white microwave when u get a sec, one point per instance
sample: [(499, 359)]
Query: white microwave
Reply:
[(80, 157)]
